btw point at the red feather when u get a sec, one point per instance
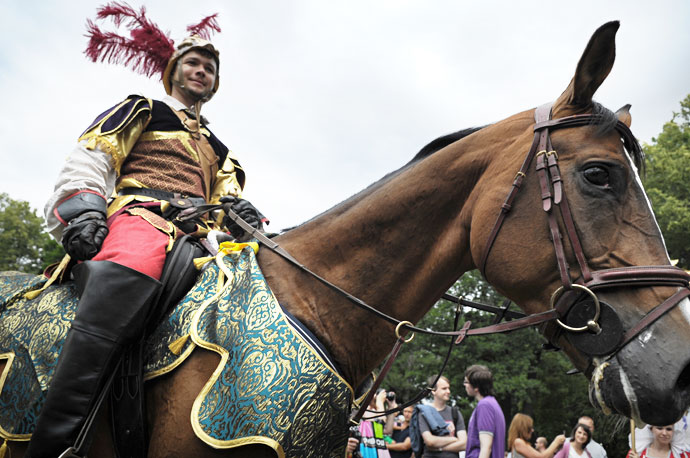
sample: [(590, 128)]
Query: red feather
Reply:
[(147, 51), (205, 28)]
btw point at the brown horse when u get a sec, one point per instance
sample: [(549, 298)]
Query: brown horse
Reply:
[(402, 242)]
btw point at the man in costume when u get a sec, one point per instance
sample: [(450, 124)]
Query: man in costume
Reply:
[(117, 203)]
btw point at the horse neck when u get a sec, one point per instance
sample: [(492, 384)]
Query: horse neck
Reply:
[(398, 245)]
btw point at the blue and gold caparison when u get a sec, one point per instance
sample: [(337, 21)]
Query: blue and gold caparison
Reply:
[(271, 387)]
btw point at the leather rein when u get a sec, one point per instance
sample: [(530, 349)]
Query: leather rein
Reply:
[(563, 299)]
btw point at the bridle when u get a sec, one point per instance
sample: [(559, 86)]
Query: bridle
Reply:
[(581, 293), (592, 325)]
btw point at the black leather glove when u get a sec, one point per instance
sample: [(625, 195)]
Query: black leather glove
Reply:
[(84, 235), (244, 210)]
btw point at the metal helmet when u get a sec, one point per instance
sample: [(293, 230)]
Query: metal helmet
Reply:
[(189, 44)]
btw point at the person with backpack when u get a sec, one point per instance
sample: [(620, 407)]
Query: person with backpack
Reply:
[(437, 430)]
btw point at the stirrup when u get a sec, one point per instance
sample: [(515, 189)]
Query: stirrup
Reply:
[(71, 453)]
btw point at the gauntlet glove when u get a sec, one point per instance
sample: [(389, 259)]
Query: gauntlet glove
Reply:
[(84, 215), (244, 210)]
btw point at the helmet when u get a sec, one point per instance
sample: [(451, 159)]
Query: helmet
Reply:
[(189, 44), (148, 50)]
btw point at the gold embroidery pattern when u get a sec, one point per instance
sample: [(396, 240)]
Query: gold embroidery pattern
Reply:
[(270, 388), (270, 383), (33, 332)]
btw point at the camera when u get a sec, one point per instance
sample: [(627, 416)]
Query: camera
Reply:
[(354, 432), (390, 396)]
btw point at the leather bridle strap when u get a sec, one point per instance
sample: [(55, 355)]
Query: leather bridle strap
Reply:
[(656, 313)]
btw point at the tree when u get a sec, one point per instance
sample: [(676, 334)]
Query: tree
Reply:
[(24, 245), (667, 182)]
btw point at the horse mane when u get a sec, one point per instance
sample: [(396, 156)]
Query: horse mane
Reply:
[(425, 152), (441, 142)]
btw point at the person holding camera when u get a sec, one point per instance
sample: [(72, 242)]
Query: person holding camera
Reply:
[(401, 447), (367, 439)]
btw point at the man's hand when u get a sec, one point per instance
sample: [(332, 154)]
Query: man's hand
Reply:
[(84, 235), (244, 210)]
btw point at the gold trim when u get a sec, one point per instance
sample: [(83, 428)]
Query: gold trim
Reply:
[(127, 120), (221, 286), (196, 406), (9, 356), (172, 366)]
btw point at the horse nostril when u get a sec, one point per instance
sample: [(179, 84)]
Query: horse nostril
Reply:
[(683, 382)]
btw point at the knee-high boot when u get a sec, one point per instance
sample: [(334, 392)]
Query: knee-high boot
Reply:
[(115, 302)]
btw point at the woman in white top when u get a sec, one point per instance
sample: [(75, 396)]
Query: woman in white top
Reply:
[(660, 446)]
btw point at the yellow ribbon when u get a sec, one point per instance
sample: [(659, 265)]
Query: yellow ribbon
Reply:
[(56, 273)]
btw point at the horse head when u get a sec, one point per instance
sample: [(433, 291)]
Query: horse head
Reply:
[(635, 351)]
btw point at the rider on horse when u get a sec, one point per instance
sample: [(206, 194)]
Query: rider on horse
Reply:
[(115, 205)]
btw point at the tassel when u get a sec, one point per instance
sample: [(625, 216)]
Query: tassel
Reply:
[(175, 347), (201, 262), (4, 449)]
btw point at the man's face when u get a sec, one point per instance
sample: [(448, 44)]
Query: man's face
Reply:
[(196, 72), (469, 389), (442, 391), (407, 412), (588, 422)]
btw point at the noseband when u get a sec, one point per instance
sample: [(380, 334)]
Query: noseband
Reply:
[(592, 326)]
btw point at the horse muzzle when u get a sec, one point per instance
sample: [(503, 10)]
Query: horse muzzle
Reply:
[(649, 378)]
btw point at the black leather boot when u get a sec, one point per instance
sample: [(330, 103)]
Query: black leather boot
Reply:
[(115, 301)]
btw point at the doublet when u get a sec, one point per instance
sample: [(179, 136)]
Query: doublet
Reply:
[(150, 145)]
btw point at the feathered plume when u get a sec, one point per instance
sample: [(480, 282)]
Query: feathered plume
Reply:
[(148, 49), (205, 28)]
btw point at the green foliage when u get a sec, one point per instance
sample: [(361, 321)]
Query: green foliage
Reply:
[(667, 182), (24, 245)]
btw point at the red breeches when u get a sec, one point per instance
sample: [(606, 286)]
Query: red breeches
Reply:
[(135, 243)]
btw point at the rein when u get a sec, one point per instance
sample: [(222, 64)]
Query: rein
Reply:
[(565, 298)]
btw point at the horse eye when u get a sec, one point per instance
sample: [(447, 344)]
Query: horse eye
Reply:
[(597, 175)]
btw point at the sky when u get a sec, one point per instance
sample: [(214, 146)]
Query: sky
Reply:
[(318, 99)]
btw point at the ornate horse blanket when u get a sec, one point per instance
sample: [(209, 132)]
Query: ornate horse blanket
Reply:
[(272, 386)]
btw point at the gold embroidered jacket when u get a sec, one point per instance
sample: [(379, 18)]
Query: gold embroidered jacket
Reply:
[(153, 146)]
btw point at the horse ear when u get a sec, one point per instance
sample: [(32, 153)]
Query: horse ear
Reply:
[(594, 66), (623, 115)]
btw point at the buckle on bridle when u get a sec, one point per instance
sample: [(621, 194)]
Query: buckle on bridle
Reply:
[(593, 324)]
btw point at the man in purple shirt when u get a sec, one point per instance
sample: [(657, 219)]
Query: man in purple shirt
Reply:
[(486, 432)]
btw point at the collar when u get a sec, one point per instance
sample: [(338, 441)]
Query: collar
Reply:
[(176, 105)]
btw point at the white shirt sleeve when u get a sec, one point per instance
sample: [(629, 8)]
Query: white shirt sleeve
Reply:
[(84, 169)]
